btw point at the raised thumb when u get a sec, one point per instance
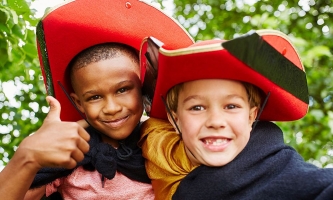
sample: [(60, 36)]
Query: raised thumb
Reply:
[(55, 108)]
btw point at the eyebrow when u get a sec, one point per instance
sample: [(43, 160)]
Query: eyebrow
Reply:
[(117, 85), (236, 96), (191, 97), (123, 83), (229, 96)]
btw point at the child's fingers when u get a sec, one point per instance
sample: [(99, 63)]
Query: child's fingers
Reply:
[(77, 155), (67, 152), (83, 144), (70, 164), (83, 123), (83, 134)]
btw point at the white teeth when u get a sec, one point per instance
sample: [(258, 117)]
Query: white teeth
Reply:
[(215, 141)]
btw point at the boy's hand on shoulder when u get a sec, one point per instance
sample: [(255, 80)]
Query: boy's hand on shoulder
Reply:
[(83, 123), (56, 143)]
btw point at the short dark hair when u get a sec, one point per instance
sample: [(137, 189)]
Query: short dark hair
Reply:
[(98, 53)]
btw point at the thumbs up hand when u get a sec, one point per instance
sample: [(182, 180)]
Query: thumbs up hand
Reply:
[(56, 143)]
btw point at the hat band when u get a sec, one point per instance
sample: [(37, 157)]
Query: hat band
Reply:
[(250, 49), (46, 65)]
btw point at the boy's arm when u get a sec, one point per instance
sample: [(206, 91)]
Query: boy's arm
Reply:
[(36, 193), (54, 144), (166, 160), (17, 176)]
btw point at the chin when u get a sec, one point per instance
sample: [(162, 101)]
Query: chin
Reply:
[(218, 162), (120, 135)]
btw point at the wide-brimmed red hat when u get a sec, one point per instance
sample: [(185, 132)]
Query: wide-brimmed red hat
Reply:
[(74, 26), (264, 58)]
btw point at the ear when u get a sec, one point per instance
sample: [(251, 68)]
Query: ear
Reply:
[(77, 102), (253, 114), (146, 104), (174, 115)]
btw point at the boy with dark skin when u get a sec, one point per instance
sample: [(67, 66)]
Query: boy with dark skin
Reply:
[(107, 89)]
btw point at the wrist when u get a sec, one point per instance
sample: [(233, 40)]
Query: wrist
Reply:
[(26, 160)]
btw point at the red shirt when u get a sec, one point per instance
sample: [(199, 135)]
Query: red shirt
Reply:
[(83, 184)]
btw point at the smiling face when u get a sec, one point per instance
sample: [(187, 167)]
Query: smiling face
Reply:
[(215, 119), (109, 93)]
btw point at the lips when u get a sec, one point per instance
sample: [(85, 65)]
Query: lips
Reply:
[(116, 122)]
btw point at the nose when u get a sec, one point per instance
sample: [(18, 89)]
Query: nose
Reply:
[(215, 119), (111, 106)]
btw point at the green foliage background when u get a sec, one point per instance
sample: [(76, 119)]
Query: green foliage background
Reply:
[(307, 22), (21, 114)]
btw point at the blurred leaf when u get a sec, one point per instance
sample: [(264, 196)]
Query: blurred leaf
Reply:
[(16, 30), (30, 49), (19, 6), (314, 54), (4, 16), (14, 16)]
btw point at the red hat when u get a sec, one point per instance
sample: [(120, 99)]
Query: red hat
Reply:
[(74, 26), (263, 58)]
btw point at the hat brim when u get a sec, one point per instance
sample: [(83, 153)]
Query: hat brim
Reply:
[(265, 58), (72, 27)]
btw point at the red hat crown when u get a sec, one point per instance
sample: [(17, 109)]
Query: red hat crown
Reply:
[(74, 26)]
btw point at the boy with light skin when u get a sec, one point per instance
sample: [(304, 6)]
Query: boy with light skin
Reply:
[(215, 117), (101, 47), (214, 93)]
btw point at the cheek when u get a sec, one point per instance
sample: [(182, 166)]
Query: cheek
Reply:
[(241, 122), (188, 123), (190, 130), (133, 101), (91, 111), (241, 126), (243, 135)]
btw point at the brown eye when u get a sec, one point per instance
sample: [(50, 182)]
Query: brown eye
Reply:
[(197, 108), (122, 90), (231, 106), (95, 97)]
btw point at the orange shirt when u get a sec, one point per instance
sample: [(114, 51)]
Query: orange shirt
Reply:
[(166, 161), (83, 184)]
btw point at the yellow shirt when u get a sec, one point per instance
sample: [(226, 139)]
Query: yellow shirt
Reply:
[(167, 163)]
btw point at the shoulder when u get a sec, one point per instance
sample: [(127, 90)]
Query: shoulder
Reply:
[(156, 128)]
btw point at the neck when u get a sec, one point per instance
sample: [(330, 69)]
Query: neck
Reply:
[(114, 143)]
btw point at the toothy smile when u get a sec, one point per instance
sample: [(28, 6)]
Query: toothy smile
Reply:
[(215, 141)]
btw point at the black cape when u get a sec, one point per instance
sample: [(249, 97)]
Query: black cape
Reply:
[(265, 169)]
